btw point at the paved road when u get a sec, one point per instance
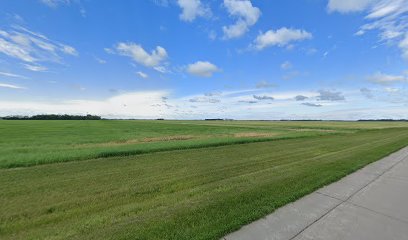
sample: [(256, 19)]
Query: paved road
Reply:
[(370, 204)]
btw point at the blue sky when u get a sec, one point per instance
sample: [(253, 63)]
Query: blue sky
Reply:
[(192, 59)]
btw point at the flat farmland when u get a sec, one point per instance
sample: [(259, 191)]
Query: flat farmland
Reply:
[(170, 179), (37, 142)]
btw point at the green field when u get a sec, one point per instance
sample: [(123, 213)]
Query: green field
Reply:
[(39, 142), (170, 179)]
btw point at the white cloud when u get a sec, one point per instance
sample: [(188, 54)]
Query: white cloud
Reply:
[(300, 98), (212, 35), (391, 89), (204, 100), (246, 14), (5, 85), (142, 74), (31, 47), (286, 65), (13, 50), (345, 6), (109, 50), (265, 84), (55, 3), (7, 74), (16, 18), (311, 104), (161, 3), (78, 87), (82, 11), (69, 50), (35, 68), (127, 105), (388, 17), (202, 69), (212, 94), (368, 93), (100, 60), (281, 37), (161, 69), (403, 45), (263, 97), (311, 51), (382, 78), (191, 9), (384, 8), (326, 95), (139, 55), (389, 94), (237, 104)]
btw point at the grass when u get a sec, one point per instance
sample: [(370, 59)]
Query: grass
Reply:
[(201, 193), (28, 143)]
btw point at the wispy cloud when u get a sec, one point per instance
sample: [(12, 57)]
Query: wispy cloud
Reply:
[(346, 6), (381, 78), (366, 92), (263, 97), (388, 17), (12, 86), (35, 68), (311, 104), (204, 100), (161, 69), (286, 65), (161, 3), (142, 74), (55, 3), (7, 74), (395, 94), (211, 94), (300, 98), (265, 84), (327, 95), (78, 87), (100, 60), (392, 89), (248, 101), (30, 47)]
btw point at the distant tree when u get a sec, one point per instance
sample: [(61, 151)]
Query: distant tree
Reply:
[(382, 120), (53, 117)]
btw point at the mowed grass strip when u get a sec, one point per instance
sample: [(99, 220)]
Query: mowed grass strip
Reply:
[(325, 125), (188, 194)]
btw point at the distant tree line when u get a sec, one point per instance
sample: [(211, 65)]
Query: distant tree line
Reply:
[(382, 120), (53, 117)]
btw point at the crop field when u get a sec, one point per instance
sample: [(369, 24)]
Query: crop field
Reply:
[(111, 179), (41, 142)]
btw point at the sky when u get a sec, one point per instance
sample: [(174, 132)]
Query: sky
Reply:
[(196, 59)]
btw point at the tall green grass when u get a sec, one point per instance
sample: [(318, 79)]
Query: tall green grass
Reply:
[(28, 143)]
